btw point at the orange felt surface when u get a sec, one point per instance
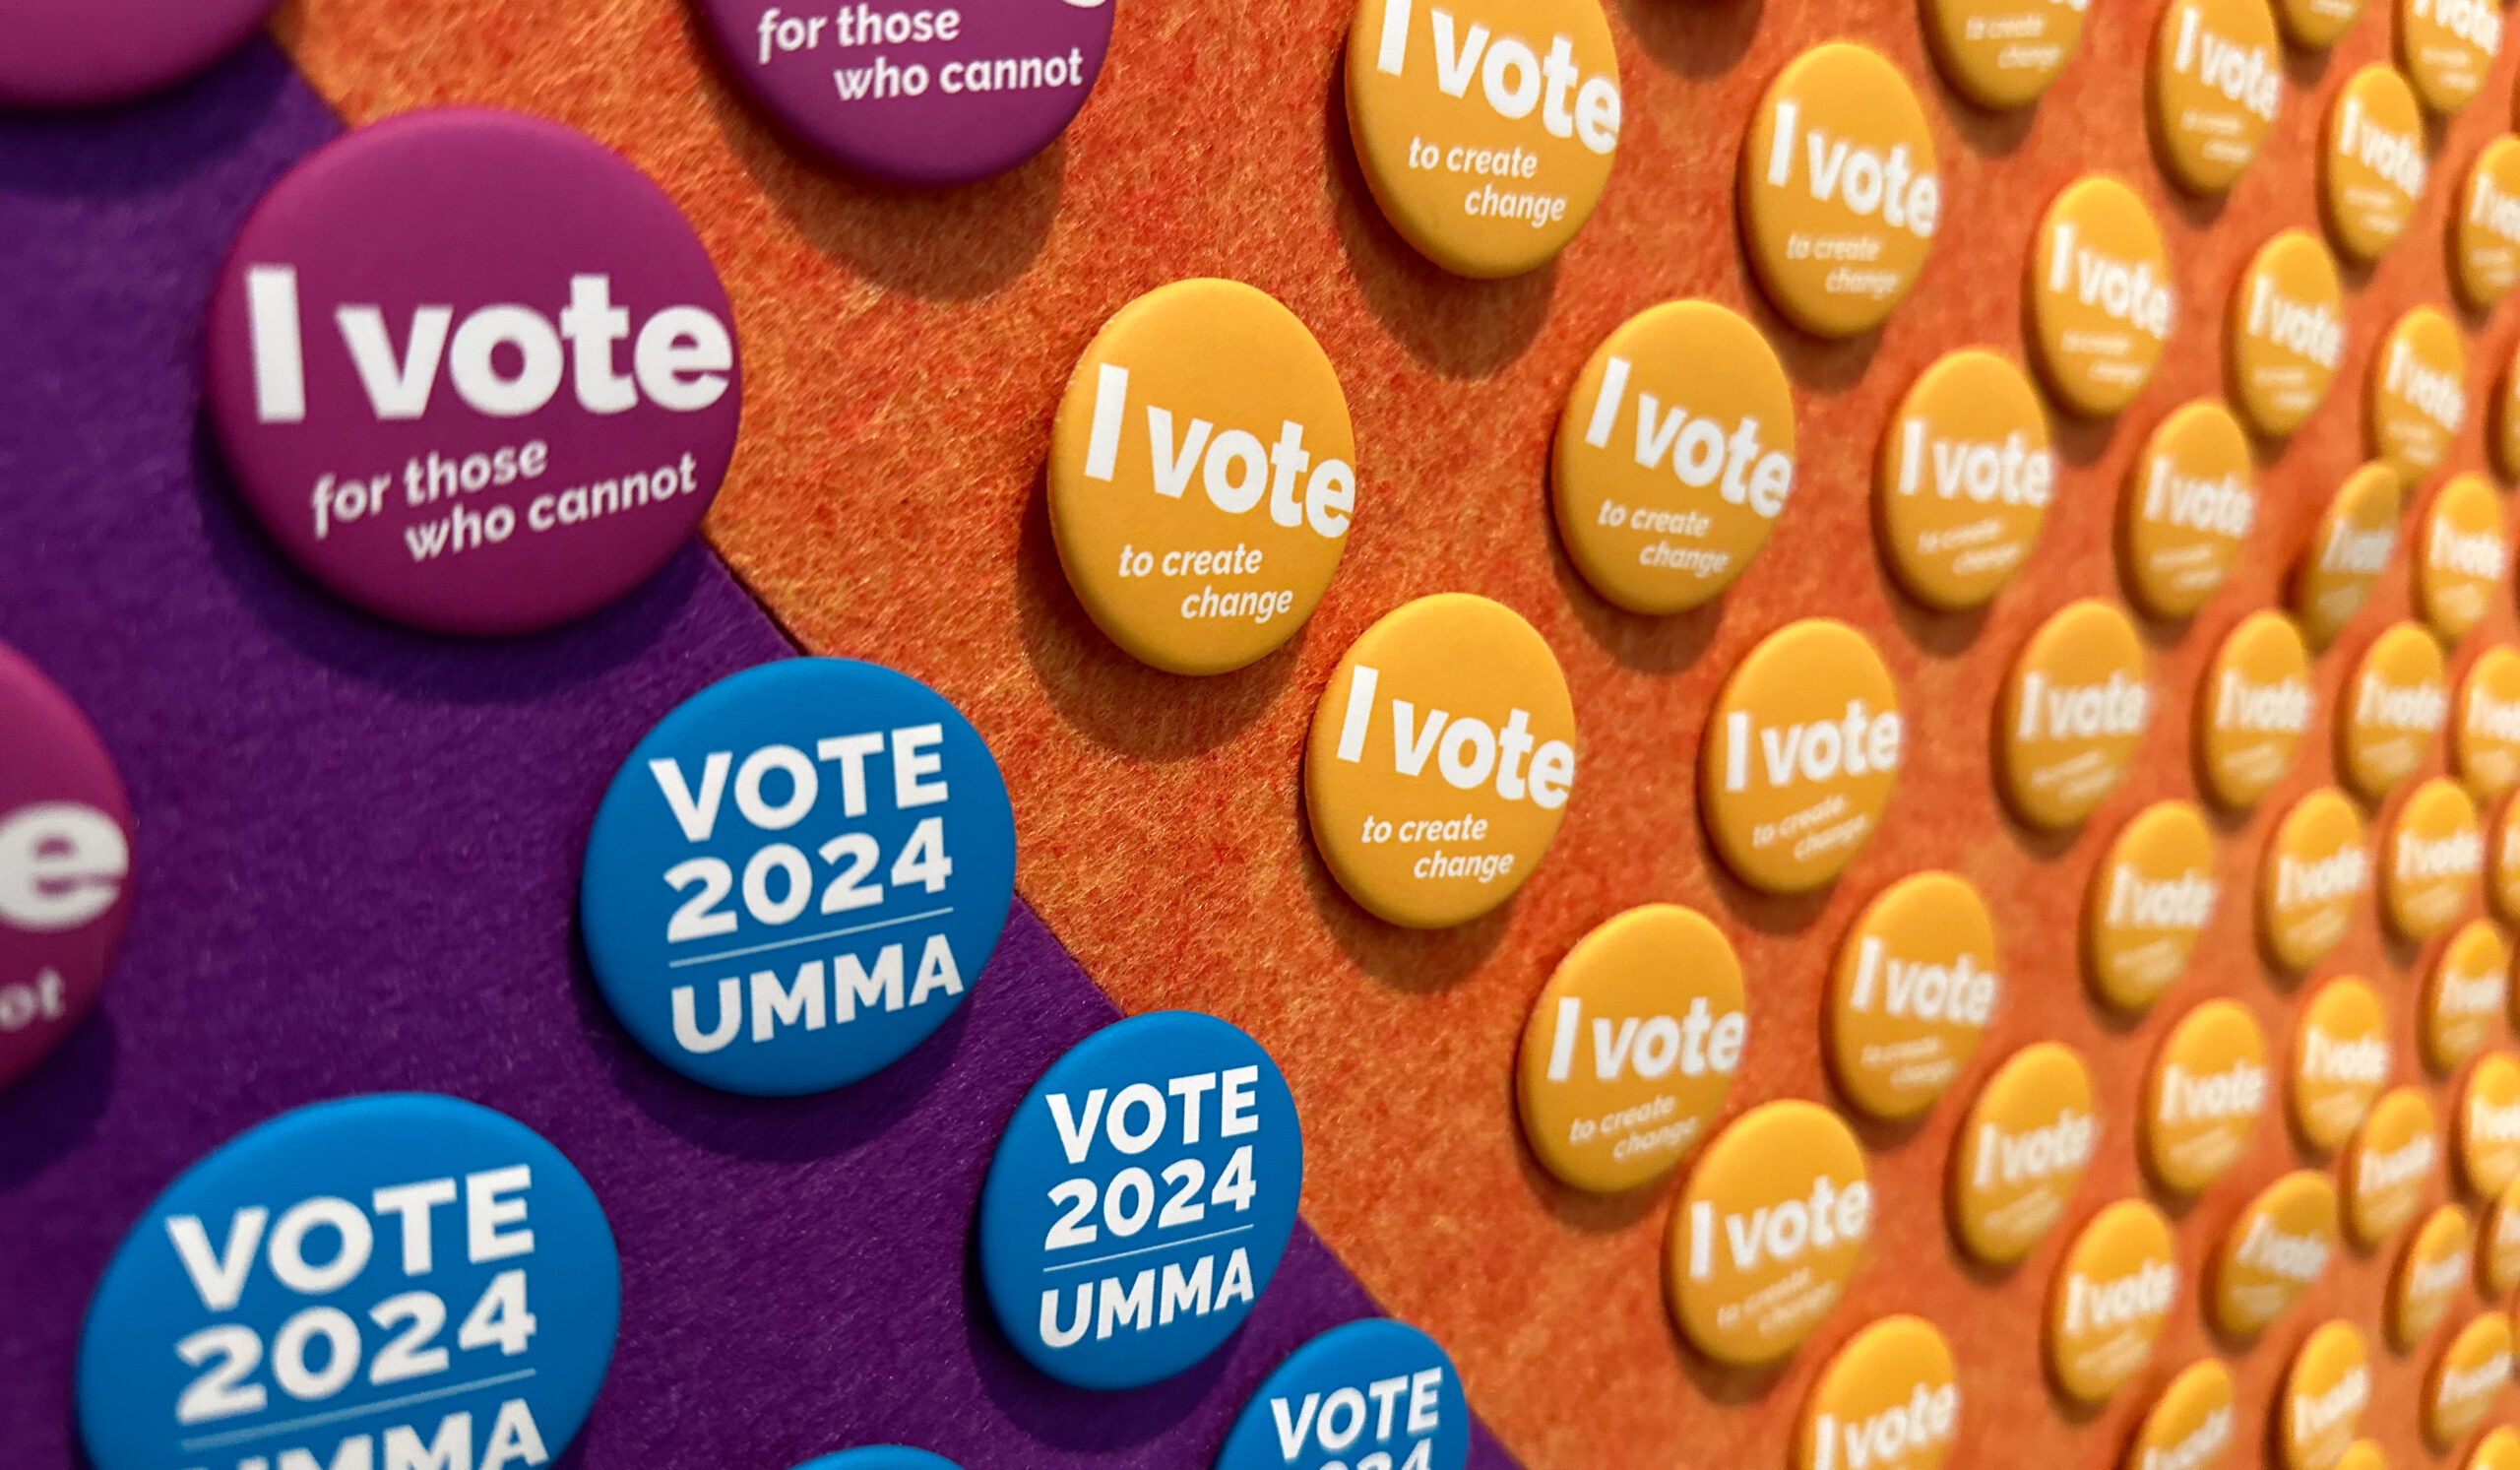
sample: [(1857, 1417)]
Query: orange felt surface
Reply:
[(905, 354)]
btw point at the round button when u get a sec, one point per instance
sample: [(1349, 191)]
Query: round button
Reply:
[(2274, 1252), (1964, 479), (1890, 1398), (2202, 1100), (2416, 398), (2113, 1293), (2485, 741), (472, 371), (2468, 1379), (2074, 709), (2316, 867), (2434, 856), (2102, 301), (1140, 1200), (2004, 53), (1485, 131), (2317, 24), (2484, 1130), (2022, 1151), (1631, 1048), (1372, 1393), (1441, 758), (2465, 555), (2397, 700), (1767, 1232), (2192, 1425), (403, 1271), (2389, 1166), (2326, 1388), (2148, 902), (103, 51), (2499, 1449), (1202, 476), (1800, 752), (1674, 457), (797, 877), (880, 1457), (917, 97), (2373, 161), (2217, 84), (2348, 550), (2430, 1276), (2340, 1060), (2253, 709), (65, 865), (2503, 889), (2499, 1246), (2285, 329), (2502, 431), (1840, 197), (1913, 992), (2447, 48), (2191, 501), (2484, 227), (2464, 997)]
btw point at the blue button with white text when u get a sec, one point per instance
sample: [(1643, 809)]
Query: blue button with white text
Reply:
[(1369, 1395)]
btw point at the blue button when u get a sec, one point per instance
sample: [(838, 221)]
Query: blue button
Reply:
[(1140, 1200), (389, 1280), (797, 877), (1369, 1395), (880, 1457)]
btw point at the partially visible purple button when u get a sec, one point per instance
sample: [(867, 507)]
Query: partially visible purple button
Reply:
[(65, 865), (473, 371), (912, 91), (83, 53)]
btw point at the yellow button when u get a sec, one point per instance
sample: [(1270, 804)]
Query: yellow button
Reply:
[(2287, 331), (2326, 1388), (1632, 1047), (2020, 1155), (2191, 498), (2389, 1165), (2462, 554), (1485, 128), (2468, 1380), (2148, 902), (2485, 741), (2503, 436), (1964, 479), (2202, 1101), (2101, 302), (2447, 48), (2431, 1274), (1767, 1232), (2348, 550), (1889, 1400), (2274, 1252), (2004, 53), (2372, 162), (2317, 23), (1915, 987), (2503, 891), (2340, 1060), (2074, 709), (2499, 1246), (1800, 755), (1442, 757), (1674, 457), (2396, 702), (2192, 1425), (2316, 869), (2416, 398), (2499, 1449), (2431, 860), (2216, 82), (1840, 198), (2484, 1132), (2363, 1454), (2253, 709), (1201, 475), (2464, 997), (2484, 227), (2112, 1292)]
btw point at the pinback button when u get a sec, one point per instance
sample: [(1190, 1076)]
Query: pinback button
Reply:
[(1374, 1392), (2396, 702), (2102, 301), (2464, 558), (2074, 709), (2022, 1152), (2274, 1252), (2002, 53), (2348, 550), (2316, 867), (2434, 857), (880, 1457), (2499, 1449), (1660, 509), (2499, 1246), (2468, 1380), (65, 865), (2502, 888), (2341, 1061), (1769, 1229), (2285, 328), (472, 371), (1202, 555), (2372, 162), (918, 94), (370, 1280), (2217, 84), (2191, 503), (2447, 50), (1484, 131), (1800, 754), (1915, 987), (1140, 1200), (2191, 1425), (2484, 227), (98, 51), (2484, 1130), (2253, 709), (2125, 1252), (2484, 735), (2415, 396), (2148, 902), (2431, 1275), (1893, 1389), (2317, 24), (1964, 479), (797, 877), (2209, 1084), (2319, 1408), (2389, 1166), (2463, 998), (2502, 436)]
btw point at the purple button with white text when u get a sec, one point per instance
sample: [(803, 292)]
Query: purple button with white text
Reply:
[(473, 371), (913, 92), (83, 53)]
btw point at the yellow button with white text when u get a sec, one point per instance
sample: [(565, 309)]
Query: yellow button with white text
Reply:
[(2004, 53), (2206, 1091), (2102, 301), (2502, 889), (2317, 866), (2326, 1388), (2074, 709), (2485, 738), (2021, 1153), (2448, 46), (2285, 331), (2192, 1425), (1889, 1400), (2253, 709), (2463, 998), (2317, 23), (2484, 1130), (1915, 989), (2217, 84), (2191, 501), (2373, 164), (2274, 1252), (2431, 860), (2431, 1275), (2111, 1295), (2148, 902), (2340, 1060), (2484, 227), (2498, 1247), (1800, 752), (1964, 479), (2468, 1379), (2416, 398), (1767, 1232), (2349, 550), (2397, 700), (2462, 555), (2390, 1165)]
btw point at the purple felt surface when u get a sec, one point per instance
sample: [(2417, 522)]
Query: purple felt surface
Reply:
[(359, 848)]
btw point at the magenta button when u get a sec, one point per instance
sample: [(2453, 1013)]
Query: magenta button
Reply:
[(914, 92), (80, 54), (473, 371)]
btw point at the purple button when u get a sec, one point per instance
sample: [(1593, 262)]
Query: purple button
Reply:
[(912, 91), (473, 371), (80, 54), (65, 865)]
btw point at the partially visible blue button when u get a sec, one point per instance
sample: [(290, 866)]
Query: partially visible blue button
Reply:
[(880, 1457), (415, 1273), (797, 877), (1369, 1395), (1140, 1200)]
